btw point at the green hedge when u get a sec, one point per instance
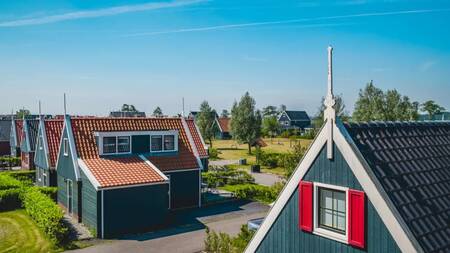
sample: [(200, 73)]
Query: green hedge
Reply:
[(46, 213), (14, 161), (8, 182), (221, 176), (51, 192), (26, 176), (10, 199), (262, 193)]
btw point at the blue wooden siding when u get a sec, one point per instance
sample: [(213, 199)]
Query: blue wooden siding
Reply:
[(89, 207), (285, 236), (184, 188), (40, 159), (134, 209)]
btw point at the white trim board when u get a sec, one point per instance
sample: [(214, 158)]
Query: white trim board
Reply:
[(153, 167), (73, 150), (375, 193)]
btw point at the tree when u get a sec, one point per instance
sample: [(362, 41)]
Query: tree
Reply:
[(128, 108), (206, 121), (225, 113), (269, 111), (270, 126), (431, 108), (157, 112), (282, 108), (339, 107), (20, 114), (374, 104), (246, 123)]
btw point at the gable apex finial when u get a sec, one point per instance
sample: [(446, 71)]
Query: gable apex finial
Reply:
[(329, 99), (329, 102)]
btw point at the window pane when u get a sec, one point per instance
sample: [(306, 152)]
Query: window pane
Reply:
[(326, 199), (341, 221), (169, 142), (326, 217), (340, 201), (332, 210), (156, 143), (123, 144), (109, 145)]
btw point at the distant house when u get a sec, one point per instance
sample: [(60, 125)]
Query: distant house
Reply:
[(125, 175), (5, 136), (28, 137), (16, 136), (223, 128), (294, 120), (437, 117), (126, 114), (372, 187), (48, 142), (194, 114)]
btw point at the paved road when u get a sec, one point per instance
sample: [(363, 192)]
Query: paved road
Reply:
[(266, 178), (223, 162), (187, 237)]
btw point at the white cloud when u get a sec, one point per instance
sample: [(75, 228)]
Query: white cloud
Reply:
[(427, 65), (98, 13), (290, 21)]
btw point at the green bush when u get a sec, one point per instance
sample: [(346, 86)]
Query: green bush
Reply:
[(14, 161), (220, 176), (51, 192), (46, 213), (269, 159), (26, 176), (223, 243), (10, 199), (8, 182), (262, 193), (213, 153)]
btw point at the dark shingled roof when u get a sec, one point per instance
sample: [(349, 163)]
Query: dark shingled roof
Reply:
[(5, 130), (412, 162), (33, 127), (297, 115)]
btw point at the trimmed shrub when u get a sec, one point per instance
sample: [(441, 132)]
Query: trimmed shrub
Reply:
[(46, 213), (10, 199), (266, 194), (220, 176), (8, 182), (269, 159), (51, 192), (10, 161), (26, 176), (213, 153)]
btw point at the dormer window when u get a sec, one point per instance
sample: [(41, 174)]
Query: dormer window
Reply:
[(169, 142), (116, 145)]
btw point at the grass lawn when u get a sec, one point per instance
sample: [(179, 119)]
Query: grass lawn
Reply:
[(18, 233)]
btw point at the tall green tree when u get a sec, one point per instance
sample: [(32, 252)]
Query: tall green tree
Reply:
[(157, 112), (269, 111), (339, 107), (375, 104), (270, 126), (246, 123), (431, 108), (20, 114), (206, 121)]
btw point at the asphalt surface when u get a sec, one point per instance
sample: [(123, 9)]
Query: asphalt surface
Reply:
[(189, 233)]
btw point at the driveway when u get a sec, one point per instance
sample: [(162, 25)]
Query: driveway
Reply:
[(189, 234), (266, 178)]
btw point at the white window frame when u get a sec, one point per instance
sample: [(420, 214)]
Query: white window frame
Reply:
[(162, 134), (323, 231), (66, 146), (116, 135), (69, 210)]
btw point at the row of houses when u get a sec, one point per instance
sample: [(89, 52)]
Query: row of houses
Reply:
[(115, 175)]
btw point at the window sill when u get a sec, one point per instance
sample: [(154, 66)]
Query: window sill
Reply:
[(330, 235)]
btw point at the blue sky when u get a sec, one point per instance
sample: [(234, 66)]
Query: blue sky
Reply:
[(106, 53)]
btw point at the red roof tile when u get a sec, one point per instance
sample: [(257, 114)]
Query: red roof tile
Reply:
[(224, 124), (197, 138), (122, 171), (53, 130), (131, 170)]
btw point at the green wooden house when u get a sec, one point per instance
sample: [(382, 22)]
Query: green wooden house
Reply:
[(125, 175), (370, 187), (47, 148), (28, 137), (15, 136)]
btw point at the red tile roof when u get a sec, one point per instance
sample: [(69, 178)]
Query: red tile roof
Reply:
[(122, 171), (224, 124), (197, 138), (130, 170), (19, 130), (53, 130)]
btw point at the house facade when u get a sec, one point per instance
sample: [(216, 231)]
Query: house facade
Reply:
[(28, 137), (223, 127), (15, 136), (5, 133), (47, 148), (125, 175), (294, 120), (372, 187)]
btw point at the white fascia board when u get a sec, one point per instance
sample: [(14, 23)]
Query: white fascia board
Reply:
[(172, 171), (60, 144), (191, 142), (44, 142), (88, 174), (292, 185), (200, 135), (131, 186), (375, 191), (73, 150), (154, 167), (218, 123)]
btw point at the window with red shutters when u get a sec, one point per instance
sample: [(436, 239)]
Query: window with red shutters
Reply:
[(356, 218), (306, 206)]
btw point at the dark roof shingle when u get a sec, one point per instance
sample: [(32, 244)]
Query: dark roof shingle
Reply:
[(297, 115), (412, 162)]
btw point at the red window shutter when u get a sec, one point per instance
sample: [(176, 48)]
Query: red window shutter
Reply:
[(305, 207), (356, 218)]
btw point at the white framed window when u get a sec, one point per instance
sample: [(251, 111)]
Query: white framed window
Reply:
[(156, 143), (109, 145), (115, 145), (164, 141), (66, 146), (123, 144), (331, 211)]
